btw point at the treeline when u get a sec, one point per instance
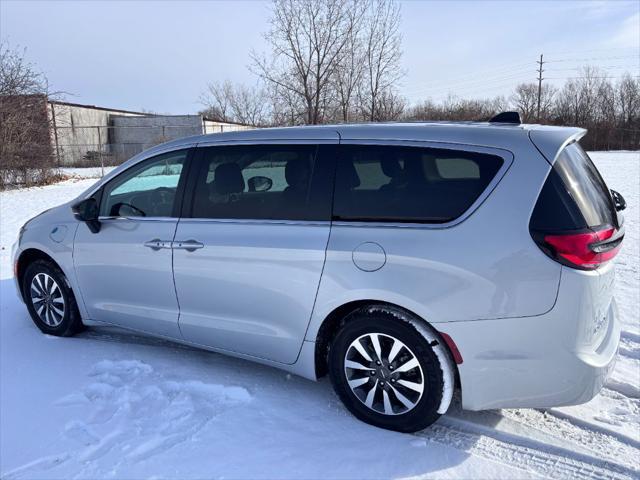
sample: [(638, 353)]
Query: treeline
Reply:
[(340, 61), (609, 109)]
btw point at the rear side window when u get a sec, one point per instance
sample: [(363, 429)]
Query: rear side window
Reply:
[(261, 182), (574, 195), (409, 184)]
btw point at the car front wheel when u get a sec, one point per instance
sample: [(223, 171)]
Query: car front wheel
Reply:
[(50, 300)]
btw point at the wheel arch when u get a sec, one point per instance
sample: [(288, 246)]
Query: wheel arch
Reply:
[(26, 258), (340, 315)]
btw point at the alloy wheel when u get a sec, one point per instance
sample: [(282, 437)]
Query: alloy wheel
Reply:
[(384, 374), (47, 299)]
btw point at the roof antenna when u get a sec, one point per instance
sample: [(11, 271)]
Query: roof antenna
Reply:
[(506, 117)]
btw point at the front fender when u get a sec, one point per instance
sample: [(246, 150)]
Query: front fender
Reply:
[(56, 241)]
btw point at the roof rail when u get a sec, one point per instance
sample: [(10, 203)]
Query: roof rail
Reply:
[(507, 117)]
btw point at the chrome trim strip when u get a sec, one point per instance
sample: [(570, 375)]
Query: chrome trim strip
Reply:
[(273, 141), (249, 221), (139, 219)]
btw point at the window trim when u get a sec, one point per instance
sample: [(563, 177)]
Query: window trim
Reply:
[(507, 160), (180, 188)]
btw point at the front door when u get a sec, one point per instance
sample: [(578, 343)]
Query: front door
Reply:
[(249, 253), (124, 270)]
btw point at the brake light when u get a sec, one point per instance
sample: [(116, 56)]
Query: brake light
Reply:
[(587, 250)]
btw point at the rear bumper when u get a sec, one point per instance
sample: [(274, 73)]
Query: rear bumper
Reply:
[(560, 358)]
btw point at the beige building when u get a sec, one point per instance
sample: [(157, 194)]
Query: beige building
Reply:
[(91, 135)]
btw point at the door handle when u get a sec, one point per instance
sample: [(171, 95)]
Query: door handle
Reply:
[(188, 245), (156, 244)]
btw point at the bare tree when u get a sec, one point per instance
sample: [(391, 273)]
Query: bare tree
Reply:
[(525, 101), (382, 49), (217, 99), (26, 153), (390, 105), (307, 38), (249, 105), (227, 102), (349, 71), (17, 76), (628, 99)]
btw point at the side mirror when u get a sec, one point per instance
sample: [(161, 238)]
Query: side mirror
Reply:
[(87, 211), (259, 184), (618, 200)]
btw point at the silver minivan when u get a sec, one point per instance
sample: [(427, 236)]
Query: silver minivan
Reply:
[(404, 260)]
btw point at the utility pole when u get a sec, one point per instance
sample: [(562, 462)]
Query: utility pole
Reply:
[(540, 70)]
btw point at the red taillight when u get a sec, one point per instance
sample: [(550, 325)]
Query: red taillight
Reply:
[(585, 250)]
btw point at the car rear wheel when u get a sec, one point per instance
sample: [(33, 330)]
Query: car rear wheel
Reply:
[(385, 372), (50, 300)]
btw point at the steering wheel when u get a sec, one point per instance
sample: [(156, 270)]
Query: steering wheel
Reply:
[(162, 199)]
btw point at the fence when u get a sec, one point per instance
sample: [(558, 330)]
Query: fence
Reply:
[(100, 146)]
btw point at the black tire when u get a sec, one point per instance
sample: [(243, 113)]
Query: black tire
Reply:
[(70, 322), (369, 321)]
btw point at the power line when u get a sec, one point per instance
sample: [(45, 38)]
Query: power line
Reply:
[(597, 50), (463, 84), (609, 67), (469, 89), (591, 59), (611, 77), (507, 69)]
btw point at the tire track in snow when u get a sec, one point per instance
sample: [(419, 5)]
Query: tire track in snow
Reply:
[(602, 444), (591, 427), (525, 454), (544, 427)]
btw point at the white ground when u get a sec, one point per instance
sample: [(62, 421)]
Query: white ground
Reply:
[(108, 404)]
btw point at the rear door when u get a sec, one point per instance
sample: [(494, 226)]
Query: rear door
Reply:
[(250, 248)]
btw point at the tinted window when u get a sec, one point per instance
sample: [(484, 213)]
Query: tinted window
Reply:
[(585, 185), (261, 182), (145, 190), (555, 209), (409, 184), (574, 195)]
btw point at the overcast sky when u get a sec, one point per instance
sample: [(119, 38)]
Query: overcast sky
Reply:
[(159, 56)]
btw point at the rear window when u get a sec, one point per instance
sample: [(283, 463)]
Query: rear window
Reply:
[(409, 184), (574, 195)]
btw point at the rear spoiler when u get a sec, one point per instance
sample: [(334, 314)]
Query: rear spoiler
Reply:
[(551, 140)]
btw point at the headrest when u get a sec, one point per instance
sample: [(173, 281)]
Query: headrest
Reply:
[(391, 167), (228, 179), (297, 173)]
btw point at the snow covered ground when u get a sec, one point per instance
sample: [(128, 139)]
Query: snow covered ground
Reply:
[(111, 404), (90, 172)]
